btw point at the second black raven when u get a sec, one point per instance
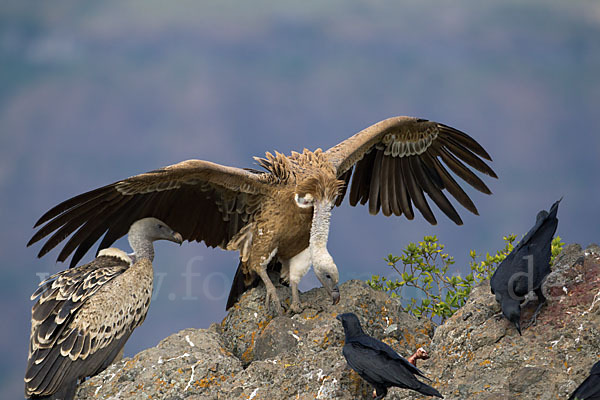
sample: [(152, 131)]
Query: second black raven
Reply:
[(526, 267), (590, 388), (377, 363)]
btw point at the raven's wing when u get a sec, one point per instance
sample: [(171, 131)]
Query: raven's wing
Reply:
[(537, 243), (377, 345), (499, 281), (590, 387), (378, 367), (545, 225)]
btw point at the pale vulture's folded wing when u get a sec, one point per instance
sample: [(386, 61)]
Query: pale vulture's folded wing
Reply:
[(396, 161), (57, 339), (201, 200)]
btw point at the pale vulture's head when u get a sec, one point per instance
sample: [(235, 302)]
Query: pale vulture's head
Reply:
[(327, 273), (153, 229)]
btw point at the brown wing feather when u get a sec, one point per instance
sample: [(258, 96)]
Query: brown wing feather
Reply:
[(346, 178), (359, 191), (399, 159), (386, 206), (404, 198), (428, 185), (415, 191), (201, 200), (375, 187), (394, 192)]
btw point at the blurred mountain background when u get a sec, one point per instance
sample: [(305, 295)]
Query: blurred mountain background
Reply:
[(92, 92)]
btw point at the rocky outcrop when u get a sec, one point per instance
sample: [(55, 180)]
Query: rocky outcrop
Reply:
[(474, 355)]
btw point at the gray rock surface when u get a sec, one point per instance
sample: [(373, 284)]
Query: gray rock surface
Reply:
[(474, 355)]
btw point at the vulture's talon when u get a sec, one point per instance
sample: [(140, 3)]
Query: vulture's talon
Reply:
[(296, 308), (273, 300)]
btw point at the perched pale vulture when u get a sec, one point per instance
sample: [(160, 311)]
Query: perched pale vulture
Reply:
[(282, 213), (84, 315)]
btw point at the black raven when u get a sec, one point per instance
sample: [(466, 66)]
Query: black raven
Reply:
[(526, 267), (377, 363), (590, 388)]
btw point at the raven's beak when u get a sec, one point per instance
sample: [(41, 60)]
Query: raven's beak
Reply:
[(518, 326), (339, 317), (335, 295)]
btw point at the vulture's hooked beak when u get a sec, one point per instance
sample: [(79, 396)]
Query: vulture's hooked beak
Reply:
[(332, 288), (335, 294), (177, 238)]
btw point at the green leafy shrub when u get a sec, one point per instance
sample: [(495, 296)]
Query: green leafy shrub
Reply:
[(557, 246), (423, 267)]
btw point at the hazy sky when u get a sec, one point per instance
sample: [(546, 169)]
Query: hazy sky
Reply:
[(94, 92)]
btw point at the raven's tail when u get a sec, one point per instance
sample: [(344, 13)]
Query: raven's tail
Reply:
[(429, 391)]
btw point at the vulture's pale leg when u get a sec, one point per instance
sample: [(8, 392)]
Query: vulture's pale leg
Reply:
[(271, 297), (296, 306), (298, 267)]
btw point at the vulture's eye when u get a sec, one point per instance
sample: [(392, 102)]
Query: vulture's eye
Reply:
[(305, 201)]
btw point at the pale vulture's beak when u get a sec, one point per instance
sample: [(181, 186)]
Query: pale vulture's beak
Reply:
[(335, 294), (177, 238)]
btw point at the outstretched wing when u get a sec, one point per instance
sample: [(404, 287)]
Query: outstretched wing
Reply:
[(395, 161), (199, 199)]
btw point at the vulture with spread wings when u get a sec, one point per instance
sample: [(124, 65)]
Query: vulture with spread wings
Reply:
[(280, 214)]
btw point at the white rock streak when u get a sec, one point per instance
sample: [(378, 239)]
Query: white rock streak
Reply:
[(187, 339), (191, 378), (327, 389), (253, 394), (97, 390), (161, 361)]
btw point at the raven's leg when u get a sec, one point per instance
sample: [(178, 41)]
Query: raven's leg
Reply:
[(541, 302), (380, 391), (498, 317)]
